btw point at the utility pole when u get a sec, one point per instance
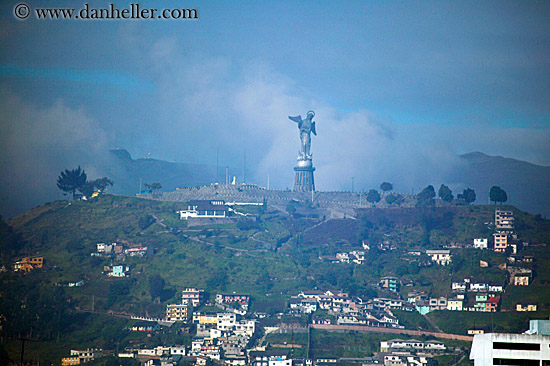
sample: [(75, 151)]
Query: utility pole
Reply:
[(244, 167), (217, 164)]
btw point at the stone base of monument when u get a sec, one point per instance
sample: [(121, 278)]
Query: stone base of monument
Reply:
[(304, 182)]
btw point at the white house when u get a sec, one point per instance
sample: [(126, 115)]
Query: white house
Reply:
[(480, 243), (205, 208), (441, 257)]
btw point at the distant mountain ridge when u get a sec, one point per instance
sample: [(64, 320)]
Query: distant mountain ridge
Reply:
[(527, 184), (127, 173)]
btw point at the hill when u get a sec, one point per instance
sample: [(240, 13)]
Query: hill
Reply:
[(271, 258)]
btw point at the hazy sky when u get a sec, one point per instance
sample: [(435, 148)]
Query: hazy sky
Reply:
[(399, 88)]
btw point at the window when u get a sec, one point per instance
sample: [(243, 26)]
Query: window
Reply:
[(512, 362), (517, 346)]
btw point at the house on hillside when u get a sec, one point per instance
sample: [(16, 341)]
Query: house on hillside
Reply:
[(205, 209), (500, 242), (27, 264), (504, 221), (520, 276), (441, 257), (177, 312), (390, 283), (192, 296), (481, 243), (526, 307), (117, 270)]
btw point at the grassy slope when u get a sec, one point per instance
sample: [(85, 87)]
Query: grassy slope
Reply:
[(227, 258)]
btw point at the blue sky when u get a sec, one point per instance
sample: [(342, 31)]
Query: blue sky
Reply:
[(399, 88)]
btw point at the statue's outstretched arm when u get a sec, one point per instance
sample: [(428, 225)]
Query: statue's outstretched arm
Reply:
[(296, 119)]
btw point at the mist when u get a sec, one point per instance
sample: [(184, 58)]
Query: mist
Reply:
[(396, 99)]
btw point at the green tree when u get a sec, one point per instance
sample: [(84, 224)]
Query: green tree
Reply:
[(386, 187), (156, 286), (426, 196), (290, 208), (497, 194), (71, 180), (445, 193), (468, 195), (373, 196), (156, 186), (390, 198)]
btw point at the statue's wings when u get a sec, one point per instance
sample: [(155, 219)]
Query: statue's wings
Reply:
[(297, 119), (313, 128)]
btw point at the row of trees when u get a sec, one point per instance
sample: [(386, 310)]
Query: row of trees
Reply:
[(427, 196), (73, 180)]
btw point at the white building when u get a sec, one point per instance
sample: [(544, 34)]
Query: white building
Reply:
[(481, 243), (441, 257), (226, 321), (510, 349), (205, 208)]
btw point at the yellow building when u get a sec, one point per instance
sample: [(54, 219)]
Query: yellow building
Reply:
[(204, 318), (73, 360), (526, 307), (27, 264)]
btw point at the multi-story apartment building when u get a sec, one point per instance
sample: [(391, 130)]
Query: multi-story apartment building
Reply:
[(192, 296), (504, 221), (177, 312), (500, 242)]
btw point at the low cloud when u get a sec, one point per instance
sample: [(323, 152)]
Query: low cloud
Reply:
[(37, 144)]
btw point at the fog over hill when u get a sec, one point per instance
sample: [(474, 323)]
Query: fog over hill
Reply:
[(526, 184)]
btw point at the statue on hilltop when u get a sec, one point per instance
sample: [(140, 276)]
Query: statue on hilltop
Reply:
[(306, 127)]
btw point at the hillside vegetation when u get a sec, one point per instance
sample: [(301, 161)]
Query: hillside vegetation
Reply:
[(271, 258)]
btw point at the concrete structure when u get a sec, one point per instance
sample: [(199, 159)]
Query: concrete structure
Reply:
[(510, 349), (540, 327), (304, 181)]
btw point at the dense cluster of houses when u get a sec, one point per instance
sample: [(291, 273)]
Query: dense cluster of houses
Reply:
[(410, 352), (222, 335), (346, 309), (117, 250)]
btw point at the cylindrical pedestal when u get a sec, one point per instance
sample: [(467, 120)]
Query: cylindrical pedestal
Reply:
[(304, 182)]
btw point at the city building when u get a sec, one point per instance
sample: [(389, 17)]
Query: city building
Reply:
[(192, 296), (510, 349), (504, 221), (500, 242), (177, 312)]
